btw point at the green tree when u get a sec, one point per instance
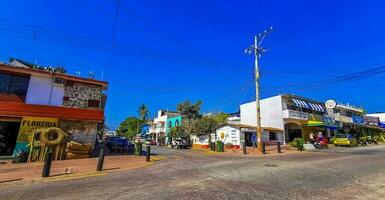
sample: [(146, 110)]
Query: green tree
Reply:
[(130, 127), (205, 126), (143, 112), (189, 111), (178, 131), (220, 118)]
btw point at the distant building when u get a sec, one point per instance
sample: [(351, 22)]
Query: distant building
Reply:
[(32, 97), (162, 124)]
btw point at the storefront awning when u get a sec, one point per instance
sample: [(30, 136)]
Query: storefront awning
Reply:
[(309, 105)]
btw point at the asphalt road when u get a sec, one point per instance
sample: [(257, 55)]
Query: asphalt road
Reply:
[(339, 173)]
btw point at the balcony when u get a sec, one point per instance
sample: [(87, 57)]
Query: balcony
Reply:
[(342, 118), (293, 114), (11, 109)]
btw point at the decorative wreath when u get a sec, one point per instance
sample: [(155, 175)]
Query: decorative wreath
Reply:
[(52, 136), (35, 136)]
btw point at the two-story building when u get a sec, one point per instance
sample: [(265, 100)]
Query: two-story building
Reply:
[(162, 124), (296, 116), (32, 97), (299, 117)]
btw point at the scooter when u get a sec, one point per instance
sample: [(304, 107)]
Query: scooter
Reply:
[(362, 142)]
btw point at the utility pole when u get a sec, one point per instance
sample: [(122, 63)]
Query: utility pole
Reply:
[(257, 51)]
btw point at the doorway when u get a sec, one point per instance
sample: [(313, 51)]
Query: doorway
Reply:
[(8, 137), (292, 131)]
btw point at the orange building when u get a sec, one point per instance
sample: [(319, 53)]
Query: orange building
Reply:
[(32, 96)]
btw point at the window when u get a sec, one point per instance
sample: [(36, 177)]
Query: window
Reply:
[(349, 113), (14, 85), (176, 122), (93, 103), (272, 136)]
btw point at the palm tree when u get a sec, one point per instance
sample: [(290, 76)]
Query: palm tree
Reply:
[(143, 112)]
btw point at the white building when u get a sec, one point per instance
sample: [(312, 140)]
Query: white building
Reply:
[(293, 114), (379, 115), (161, 124)]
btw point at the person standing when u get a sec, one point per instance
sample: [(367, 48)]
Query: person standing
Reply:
[(254, 140)]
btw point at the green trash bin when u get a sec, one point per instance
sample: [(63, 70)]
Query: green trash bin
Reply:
[(219, 146)]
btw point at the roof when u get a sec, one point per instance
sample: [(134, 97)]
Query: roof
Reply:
[(252, 127), (29, 71)]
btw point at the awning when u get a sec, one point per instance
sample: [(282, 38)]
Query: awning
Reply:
[(309, 105)]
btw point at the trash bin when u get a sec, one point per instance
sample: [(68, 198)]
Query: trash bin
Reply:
[(219, 146)]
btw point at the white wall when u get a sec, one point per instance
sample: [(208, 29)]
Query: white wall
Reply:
[(231, 135), (42, 91), (379, 115), (271, 113)]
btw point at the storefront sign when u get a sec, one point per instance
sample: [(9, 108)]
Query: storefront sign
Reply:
[(328, 120), (330, 104), (27, 125), (293, 114), (358, 120), (371, 120)]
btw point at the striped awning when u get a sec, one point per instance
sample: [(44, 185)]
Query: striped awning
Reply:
[(309, 105)]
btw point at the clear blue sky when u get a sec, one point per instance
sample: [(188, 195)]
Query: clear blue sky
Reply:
[(162, 52)]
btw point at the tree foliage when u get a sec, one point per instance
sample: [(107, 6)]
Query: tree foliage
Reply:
[(143, 112), (205, 125), (189, 111), (179, 131), (130, 127), (220, 118)]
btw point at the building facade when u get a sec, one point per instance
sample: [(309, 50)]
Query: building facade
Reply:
[(300, 117), (162, 124), (32, 97)]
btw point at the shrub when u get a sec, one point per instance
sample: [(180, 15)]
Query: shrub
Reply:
[(297, 142)]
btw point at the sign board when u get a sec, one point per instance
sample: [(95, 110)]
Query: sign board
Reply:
[(371, 120), (293, 114), (27, 125), (358, 120), (330, 104)]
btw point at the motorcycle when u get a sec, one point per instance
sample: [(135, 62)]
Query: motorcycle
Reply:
[(362, 142)]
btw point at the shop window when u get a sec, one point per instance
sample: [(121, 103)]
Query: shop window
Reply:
[(272, 136), (14, 85)]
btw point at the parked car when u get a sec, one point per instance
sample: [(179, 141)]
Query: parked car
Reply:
[(180, 143), (344, 140), (150, 142), (114, 143)]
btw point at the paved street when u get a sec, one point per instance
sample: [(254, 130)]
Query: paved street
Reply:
[(339, 173)]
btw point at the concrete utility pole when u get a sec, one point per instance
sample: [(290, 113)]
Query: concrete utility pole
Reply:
[(257, 50)]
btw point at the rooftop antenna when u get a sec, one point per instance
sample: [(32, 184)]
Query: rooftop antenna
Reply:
[(91, 75), (102, 75)]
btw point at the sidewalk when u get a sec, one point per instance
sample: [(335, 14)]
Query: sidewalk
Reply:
[(33, 171), (270, 151)]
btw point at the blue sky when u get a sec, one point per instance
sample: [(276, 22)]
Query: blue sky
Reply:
[(162, 52)]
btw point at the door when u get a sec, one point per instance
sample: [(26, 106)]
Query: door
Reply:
[(8, 136)]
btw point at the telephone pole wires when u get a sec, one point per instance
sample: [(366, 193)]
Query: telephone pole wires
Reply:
[(257, 51)]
